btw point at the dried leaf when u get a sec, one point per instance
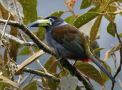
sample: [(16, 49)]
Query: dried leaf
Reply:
[(70, 4)]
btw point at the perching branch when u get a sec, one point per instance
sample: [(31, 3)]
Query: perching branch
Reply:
[(40, 73), (44, 47), (11, 37)]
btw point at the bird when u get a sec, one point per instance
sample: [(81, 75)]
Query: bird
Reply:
[(67, 41)]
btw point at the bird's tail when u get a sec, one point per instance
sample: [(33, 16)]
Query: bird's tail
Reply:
[(94, 60)]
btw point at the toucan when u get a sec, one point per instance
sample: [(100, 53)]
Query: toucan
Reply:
[(67, 41)]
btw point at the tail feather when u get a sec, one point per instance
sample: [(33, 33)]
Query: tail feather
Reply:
[(94, 60)]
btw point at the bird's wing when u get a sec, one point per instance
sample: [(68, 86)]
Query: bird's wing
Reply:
[(70, 38)]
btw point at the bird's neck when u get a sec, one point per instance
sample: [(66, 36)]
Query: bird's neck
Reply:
[(64, 23)]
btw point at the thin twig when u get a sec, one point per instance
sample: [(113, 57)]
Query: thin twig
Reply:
[(42, 74), (4, 28), (17, 39), (119, 68), (39, 63)]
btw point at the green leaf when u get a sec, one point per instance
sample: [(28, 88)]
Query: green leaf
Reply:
[(120, 35), (70, 19), (97, 50), (111, 28), (25, 51), (85, 4), (40, 33), (2, 86), (31, 86), (95, 29), (85, 18), (68, 82), (51, 65), (30, 12), (63, 72), (57, 13), (112, 9), (52, 84), (90, 71)]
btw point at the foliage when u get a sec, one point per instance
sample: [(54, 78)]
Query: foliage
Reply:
[(24, 12)]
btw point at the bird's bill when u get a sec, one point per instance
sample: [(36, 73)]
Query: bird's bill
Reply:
[(41, 22)]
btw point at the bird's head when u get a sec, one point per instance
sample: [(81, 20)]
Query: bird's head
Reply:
[(50, 21)]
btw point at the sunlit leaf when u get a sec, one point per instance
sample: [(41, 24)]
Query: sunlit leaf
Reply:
[(70, 19), (85, 4), (31, 86), (95, 29), (25, 51), (111, 28), (57, 13), (8, 82), (30, 12), (90, 71), (85, 18), (97, 50)]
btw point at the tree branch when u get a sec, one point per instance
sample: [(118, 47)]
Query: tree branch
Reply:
[(40, 73), (119, 68), (44, 47)]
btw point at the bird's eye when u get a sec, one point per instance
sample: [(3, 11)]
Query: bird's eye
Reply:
[(51, 19)]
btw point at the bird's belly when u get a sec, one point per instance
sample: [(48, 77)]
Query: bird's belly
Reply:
[(60, 50)]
